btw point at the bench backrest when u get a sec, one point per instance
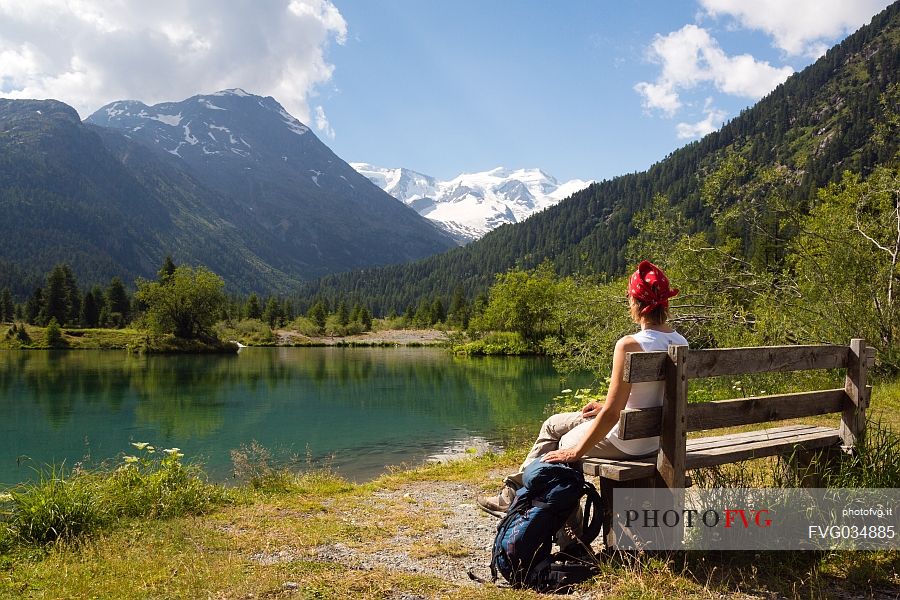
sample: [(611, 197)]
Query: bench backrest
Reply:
[(675, 418)]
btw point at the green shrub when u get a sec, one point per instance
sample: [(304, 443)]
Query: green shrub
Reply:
[(55, 507), (158, 484), (250, 332), (61, 506), (54, 333), (497, 343), (305, 326), (389, 323)]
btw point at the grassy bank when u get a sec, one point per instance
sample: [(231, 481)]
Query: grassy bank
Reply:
[(276, 537), (149, 526), (31, 337)]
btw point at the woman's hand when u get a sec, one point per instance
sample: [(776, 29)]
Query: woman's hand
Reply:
[(560, 456), (591, 409)]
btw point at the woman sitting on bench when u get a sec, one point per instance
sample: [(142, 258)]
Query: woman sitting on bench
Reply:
[(593, 432)]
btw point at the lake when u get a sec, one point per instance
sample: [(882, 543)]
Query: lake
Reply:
[(357, 409)]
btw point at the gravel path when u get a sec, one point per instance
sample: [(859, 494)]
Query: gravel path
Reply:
[(465, 530)]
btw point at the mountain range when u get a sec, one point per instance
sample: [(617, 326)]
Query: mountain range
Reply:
[(472, 204), (229, 180), (815, 126)]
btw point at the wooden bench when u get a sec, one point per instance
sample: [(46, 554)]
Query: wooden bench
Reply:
[(676, 418)]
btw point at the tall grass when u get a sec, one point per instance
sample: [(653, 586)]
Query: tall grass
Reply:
[(875, 463), (63, 506)]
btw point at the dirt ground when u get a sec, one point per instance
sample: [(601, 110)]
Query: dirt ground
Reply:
[(401, 337)]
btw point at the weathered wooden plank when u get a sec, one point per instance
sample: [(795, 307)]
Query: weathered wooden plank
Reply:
[(720, 450), (635, 423), (645, 366), (870, 356), (719, 456), (853, 421), (743, 361), (762, 409), (670, 461), (749, 437), (619, 470), (647, 422), (650, 366)]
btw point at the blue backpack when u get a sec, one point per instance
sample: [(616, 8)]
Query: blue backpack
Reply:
[(523, 546)]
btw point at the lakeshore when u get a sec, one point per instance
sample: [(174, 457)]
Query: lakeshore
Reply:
[(139, 340), (409, 534)]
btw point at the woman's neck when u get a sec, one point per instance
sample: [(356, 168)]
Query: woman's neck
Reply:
[(662, 327)]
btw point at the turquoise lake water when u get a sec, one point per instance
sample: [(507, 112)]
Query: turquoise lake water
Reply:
[(358, 409)]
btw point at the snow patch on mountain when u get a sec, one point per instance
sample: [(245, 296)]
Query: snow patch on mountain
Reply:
[(232, 92), (209, 104), (171, 120), (472, 204), (209, 125), (292, 123)]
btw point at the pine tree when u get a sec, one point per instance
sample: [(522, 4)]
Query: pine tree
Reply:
[(438, 314), (7, 308), (272, 312), (253, 309), (318, 314), (118, 303), (166, 270), (90, 310), (34, 306), (73, 296), (56, 296), (459, 309), (343, 314), (365, 317), (287, 310)]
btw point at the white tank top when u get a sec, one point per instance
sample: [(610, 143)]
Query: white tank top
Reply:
[(646, 394)]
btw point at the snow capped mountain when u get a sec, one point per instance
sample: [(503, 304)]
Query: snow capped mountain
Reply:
[(222, 123), (472, 204), (304, 209)]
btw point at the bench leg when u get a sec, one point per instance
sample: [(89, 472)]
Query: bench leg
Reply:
[(607, 492)]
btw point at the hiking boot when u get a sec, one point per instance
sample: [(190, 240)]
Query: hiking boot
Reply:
[(497, 504)]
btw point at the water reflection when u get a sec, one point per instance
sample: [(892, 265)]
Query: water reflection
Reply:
[(367, 407)]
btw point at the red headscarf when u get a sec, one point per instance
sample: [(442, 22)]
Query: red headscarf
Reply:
[(651, 286)]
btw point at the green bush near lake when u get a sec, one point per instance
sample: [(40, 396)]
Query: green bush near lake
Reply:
[(250, 332), (61, 506), (498, 343)]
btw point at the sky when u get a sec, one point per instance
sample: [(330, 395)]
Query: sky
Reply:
[(586, 89)]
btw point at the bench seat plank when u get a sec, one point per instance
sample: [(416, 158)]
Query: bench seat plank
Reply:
[(757, 435), (733, 451), (620, 470), (718, 450)]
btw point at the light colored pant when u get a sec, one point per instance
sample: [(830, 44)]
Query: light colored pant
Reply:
[(553, 436)]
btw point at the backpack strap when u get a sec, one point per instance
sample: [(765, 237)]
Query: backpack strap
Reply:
[(593, 514)]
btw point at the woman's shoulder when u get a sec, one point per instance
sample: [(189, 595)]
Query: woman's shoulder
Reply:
[(629, 343), (652, 337)]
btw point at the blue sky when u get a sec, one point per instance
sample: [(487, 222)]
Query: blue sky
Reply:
[(582, 89), (465, 86)]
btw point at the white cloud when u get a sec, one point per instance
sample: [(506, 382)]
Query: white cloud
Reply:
[(691, 57), (90, 52), (799, 26), (322, 123), (714, 119)]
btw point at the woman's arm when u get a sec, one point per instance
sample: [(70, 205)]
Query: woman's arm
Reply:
[(616, 399)]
